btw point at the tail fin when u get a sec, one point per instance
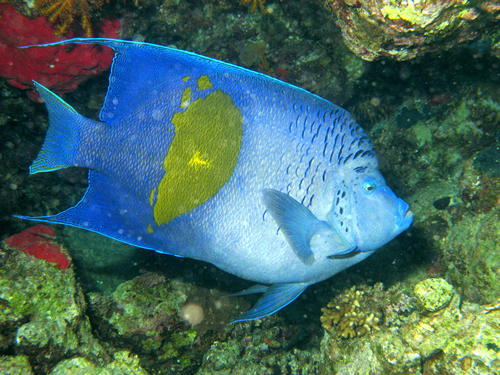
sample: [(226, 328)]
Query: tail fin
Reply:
[(61, 142)]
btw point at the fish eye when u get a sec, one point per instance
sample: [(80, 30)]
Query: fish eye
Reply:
[(369, 186)]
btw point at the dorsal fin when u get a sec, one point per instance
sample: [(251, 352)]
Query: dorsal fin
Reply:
[(148, 71), (145, 70)]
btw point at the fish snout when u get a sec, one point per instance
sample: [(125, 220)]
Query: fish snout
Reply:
[(404, 218)]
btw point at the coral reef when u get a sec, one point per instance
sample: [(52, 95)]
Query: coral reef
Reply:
[(480, 191), (15, 365), (366, 310), (297, 49), (253, 53), (371, 110), (472, 252), (456, 338), (487, 161), (435, 147), (123, 363), (59, 68), (263, 347), (399, 307), (146, 314), (434, 122), (423, 202), (142, 312), (404, 29), (38, 242)]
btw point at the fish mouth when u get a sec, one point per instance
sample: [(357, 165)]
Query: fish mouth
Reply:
[(405, 217)]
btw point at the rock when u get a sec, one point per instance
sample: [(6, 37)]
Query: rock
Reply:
[(433, 294), (42, 314), (142, 312), (124, 363), (403, 30), (15, 365)]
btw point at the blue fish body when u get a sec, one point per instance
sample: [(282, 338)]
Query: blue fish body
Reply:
[(198, 158)]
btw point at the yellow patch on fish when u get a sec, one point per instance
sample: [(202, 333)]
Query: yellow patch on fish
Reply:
[(150, 229), (202, 156), (186, 97), (186, 78), (204, 83), (152, 197)]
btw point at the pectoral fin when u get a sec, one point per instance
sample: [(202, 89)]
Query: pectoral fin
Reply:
[(275, 298), (296, 221)]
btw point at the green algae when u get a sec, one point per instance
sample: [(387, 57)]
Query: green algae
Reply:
[(184, 338), (144, 314), (42, 314), (15, 365), (146, 304), (473, 250), (124, 363), (222, 355), (458, 333), (354, 66), (177, 341), (422, 133)]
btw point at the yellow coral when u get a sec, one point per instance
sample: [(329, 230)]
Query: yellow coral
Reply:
[(349, 316), (255, 3), (63, 12)]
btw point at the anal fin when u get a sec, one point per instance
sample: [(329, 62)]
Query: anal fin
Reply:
[(108, 209), (275, 298)]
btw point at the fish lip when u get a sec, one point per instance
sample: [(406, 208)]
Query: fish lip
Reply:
[(405, 217)]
